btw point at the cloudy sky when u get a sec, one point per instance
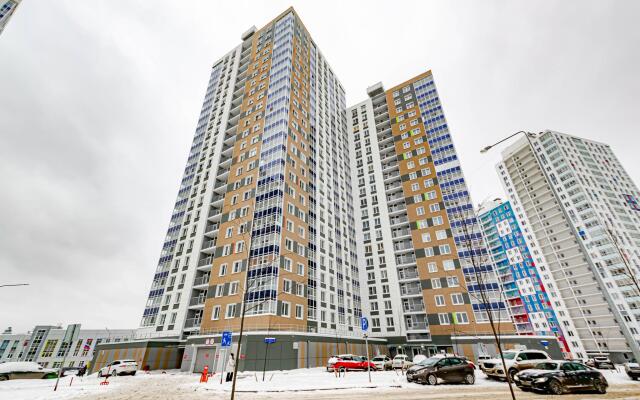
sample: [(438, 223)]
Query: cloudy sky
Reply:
[(99, 101)]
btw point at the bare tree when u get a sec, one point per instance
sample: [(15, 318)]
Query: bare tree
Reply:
[(479, 258), (627, 271)]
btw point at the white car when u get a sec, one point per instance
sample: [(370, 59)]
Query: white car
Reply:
[(401, 361), (515, 360), (382, 362), (119, 367)]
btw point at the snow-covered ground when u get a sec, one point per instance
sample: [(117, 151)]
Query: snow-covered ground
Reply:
[(178, 385)]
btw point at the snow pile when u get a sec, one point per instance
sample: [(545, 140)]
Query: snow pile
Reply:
[(317, 379), (42, 389)]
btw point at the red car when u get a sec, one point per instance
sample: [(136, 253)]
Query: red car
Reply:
[(355, 363)]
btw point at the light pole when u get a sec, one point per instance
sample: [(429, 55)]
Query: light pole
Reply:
[(14, 284)]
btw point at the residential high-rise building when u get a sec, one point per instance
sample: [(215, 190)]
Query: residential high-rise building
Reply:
[(578, 209), (523, 291), (427, 266), (265, 208), (7, 8)]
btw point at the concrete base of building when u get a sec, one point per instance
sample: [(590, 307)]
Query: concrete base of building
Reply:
[(151, 354), (293, 350), (272, 351), (290, 350)]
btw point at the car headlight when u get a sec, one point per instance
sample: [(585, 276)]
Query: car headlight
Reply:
[(541, 380)]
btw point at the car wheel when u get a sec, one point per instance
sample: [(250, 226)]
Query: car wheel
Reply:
[(133, 373), (432, 379), (114, 373), (599, 386), (635, 378), (555, 387), (470, 379), (4, 377), (512, 373), (100, 374)]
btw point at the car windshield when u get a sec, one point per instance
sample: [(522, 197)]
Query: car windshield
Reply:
[(377, 359), (508, 355), (547, 365), (429, 362)]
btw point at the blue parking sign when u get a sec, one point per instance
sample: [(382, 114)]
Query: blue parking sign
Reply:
[(226, 339), (364, 324)]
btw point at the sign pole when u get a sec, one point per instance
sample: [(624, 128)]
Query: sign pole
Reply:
[(366, 343), (70, 336), (264, 366), (364, 324), (221, 357)]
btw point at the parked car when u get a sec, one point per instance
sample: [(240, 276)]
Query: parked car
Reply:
[(119, 367), (68, 371), (25, 370), (448, 369), (632, 369), (600, 361), (515, 360), (355, 363), (334, 359), (558, 377), (483, 357), (382, 362), (401, 361)]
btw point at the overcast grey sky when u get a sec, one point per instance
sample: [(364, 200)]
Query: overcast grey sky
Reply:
[(99, 101)]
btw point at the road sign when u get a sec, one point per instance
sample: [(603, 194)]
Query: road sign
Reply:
[(269, 340), (364, 324), (226, 339)]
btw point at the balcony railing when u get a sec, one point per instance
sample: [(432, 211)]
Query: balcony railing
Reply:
[(196, 301), (192, 322), (201, 280)]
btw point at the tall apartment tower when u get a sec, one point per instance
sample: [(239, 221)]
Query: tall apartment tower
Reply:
[(418, 236), (579, 212), (7, 8), (265, 208), (524, 293)]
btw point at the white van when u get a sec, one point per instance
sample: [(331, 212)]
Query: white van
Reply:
[(401, 361)]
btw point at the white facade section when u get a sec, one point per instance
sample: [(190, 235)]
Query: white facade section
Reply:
[(376, 240), (179, 288)]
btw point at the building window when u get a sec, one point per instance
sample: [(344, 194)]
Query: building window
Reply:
[(231, 311), (443, 318), (299, 310), (461, 318), (452, 281), (432, 267), (439, 299), (286, 309), (457, 299)]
